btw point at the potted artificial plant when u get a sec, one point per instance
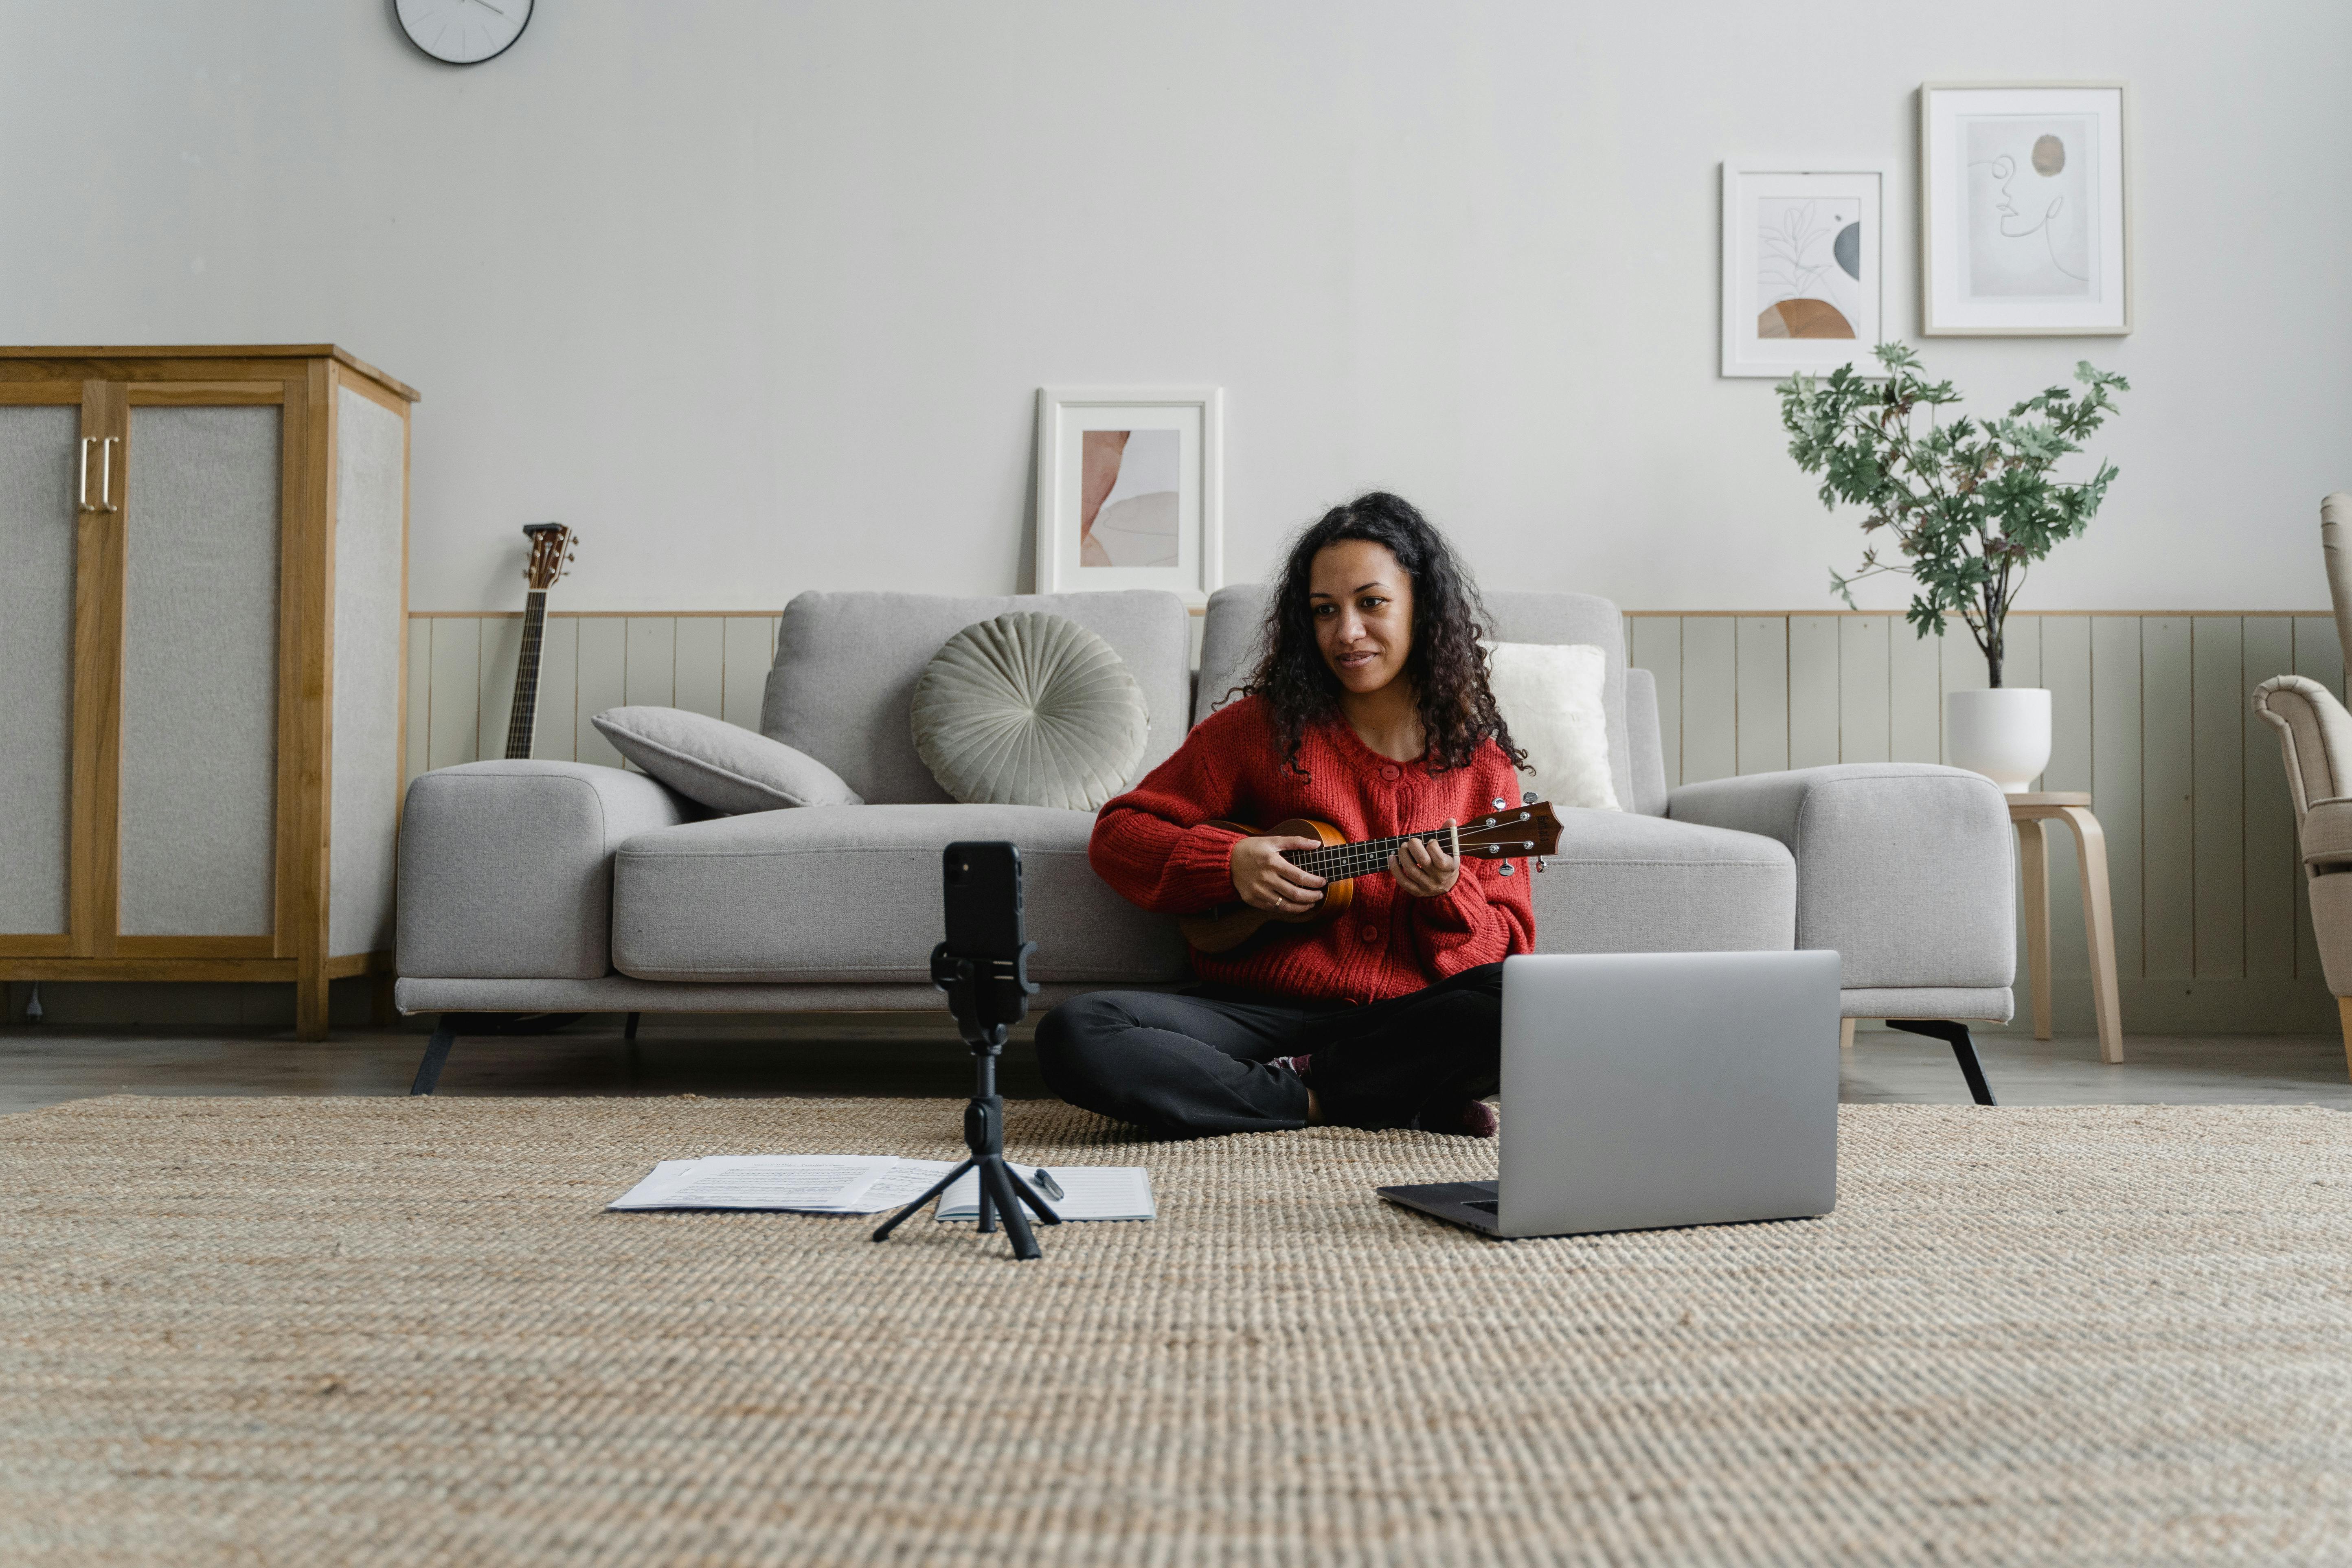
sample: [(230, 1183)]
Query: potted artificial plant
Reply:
[(1970, 506)]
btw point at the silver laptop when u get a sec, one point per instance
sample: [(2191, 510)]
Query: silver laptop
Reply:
[(1644, 1089)]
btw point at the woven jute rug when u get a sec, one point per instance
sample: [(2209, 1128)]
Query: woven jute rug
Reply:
[(382, 1331)]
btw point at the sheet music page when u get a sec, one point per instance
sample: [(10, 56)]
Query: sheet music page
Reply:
[(819, 1183), (1090, 1192), (901, 1184)]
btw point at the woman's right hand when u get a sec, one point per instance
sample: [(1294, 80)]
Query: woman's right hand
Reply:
[(1267, 881)]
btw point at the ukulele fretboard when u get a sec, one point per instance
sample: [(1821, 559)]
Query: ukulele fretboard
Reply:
[(1340, 861)]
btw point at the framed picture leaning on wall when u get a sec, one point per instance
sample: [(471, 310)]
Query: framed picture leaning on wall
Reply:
[(1129, 486), (2024, 209), (1803, 261)]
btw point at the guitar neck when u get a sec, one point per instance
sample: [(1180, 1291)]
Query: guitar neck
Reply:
[(1341, 862), (522, 715)]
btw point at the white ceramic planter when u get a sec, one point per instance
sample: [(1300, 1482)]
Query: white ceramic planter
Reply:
[(2002, 733)]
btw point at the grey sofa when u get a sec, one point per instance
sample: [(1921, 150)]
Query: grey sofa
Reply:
[(532, 887)]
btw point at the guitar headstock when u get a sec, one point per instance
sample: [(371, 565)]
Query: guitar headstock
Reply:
[(553, 549), (1524, 830)]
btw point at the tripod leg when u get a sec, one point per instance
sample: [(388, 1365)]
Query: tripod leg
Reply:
[(993, 1174), (936, 1188), (1022, 1191), (987, 1198)]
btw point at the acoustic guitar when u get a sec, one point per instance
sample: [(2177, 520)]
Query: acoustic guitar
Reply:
[(553, 549), (1530, 832)]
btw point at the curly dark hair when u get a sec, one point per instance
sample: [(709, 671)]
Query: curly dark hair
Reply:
[(1446, 666)]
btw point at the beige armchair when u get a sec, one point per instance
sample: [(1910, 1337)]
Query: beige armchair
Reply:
[(2315, 734)]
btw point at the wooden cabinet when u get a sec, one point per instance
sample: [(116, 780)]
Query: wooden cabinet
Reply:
[(203, 611)]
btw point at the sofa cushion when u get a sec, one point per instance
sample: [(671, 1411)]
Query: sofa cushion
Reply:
[(842, 685), (1029, 710), (852, 893), (723, 767), (1230, 635), (1624, 882)]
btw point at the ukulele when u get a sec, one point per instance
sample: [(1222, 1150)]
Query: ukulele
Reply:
[(551, 550), (1530, 831)]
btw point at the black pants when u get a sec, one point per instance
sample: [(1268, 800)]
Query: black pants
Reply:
[(1196, 1061)]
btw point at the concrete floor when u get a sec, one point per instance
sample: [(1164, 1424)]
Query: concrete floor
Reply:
[(870, 1054)]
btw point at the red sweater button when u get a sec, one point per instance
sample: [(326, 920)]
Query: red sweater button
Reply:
[(1371, 933), (1391, 771)]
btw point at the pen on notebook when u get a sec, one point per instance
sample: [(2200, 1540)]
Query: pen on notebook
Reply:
[(1047, 1184)]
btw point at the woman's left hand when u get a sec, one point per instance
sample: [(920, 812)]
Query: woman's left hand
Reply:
[(1423, 870)]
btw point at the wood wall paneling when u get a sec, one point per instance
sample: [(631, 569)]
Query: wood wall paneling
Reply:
[(501, 638), (1658, 645), (1710, 698), (2168, 820), (1915, 695), (2064, 650), (750, 648), (1863, 700), (456, 703), (1814, 691), (2274, 864), (1763, 693), (603, 682), (2216, 763)]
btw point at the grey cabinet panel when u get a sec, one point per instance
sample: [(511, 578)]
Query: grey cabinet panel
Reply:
[(38, 448), (200, 672)]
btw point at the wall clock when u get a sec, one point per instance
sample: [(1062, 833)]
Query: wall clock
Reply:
[(463, 32)]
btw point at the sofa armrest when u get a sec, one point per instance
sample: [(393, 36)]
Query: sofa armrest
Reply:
[(1907, 870), (506, 868)]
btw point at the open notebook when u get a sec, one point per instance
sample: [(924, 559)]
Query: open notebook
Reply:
[(871, 1184)]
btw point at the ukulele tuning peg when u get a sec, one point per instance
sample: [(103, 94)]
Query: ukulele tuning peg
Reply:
[(1540, 865)]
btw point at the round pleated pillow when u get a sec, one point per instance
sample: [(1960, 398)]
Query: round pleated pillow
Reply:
[(1029, 710)]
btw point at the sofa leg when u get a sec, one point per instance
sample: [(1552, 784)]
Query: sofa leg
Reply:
[(436, 1052), (629, 1029), (1956, 1035)]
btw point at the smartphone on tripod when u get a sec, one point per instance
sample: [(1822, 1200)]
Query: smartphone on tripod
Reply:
[(984, 914), (983, 966)]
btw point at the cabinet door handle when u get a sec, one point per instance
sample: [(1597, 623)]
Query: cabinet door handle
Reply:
[(106, 473), (82, 497)]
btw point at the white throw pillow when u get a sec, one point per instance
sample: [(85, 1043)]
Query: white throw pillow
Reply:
[(723, 767), (1549, 694)]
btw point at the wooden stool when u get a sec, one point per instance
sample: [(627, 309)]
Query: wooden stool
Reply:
[(2031, 813)]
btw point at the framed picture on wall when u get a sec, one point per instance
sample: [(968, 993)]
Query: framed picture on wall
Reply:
[(2024, 209), (1803, 265), (1129, 486)]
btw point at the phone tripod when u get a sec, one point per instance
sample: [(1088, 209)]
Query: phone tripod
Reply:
[(980, 1002)]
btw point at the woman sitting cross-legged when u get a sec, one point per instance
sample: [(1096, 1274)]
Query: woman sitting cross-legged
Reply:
[(1369, 710)]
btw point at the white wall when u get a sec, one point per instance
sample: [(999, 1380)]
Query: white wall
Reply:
[(757, 295)]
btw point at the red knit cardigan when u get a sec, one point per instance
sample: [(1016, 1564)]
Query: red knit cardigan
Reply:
[(1151, 843)]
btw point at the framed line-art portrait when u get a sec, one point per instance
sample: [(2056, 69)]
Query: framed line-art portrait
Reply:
[(1802, 267), (2024, 209), (1129, 484)]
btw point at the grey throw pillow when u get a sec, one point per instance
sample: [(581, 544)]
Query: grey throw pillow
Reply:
[(725, 766), (1029, 709)]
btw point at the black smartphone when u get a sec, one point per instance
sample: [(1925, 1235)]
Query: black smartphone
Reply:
[(983, 901)]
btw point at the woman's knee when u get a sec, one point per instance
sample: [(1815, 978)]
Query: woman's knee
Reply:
[(1075, 1043)]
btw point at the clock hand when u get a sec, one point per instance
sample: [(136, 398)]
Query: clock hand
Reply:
[(486, 5)]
